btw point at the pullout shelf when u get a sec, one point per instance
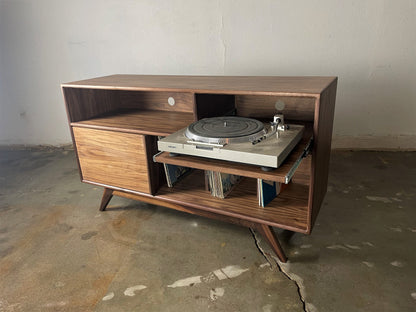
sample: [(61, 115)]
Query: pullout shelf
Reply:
[(279, 174), (146, 122), (289, 210)]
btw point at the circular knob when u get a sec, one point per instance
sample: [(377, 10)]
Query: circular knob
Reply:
[(279, 105), (171, 101)]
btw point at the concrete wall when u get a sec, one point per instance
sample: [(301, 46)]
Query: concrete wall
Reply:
[(369, 44)]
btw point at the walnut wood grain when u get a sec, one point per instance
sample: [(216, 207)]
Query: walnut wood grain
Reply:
[(112, 158), (83, 104), (288, 211), (107, 195), (303, 173), (266, 85), (268, 233), (252, 171), (324, 116), (292, 205), (263, 106), (158, 123), (152, 100), (115, 120), (185, 208)]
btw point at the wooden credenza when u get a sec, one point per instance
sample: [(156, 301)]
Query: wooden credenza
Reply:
[(115, 122)]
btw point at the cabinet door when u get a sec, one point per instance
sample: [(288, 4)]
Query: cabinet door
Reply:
[(112, 158)]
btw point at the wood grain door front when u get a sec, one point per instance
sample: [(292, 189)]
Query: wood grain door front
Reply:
[(112, 158)]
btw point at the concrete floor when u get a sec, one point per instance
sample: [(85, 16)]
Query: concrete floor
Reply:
[(59, 253)]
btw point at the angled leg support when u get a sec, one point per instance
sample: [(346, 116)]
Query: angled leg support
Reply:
[(268, 233), (108, 194)]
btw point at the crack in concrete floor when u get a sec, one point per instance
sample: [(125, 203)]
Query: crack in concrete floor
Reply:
[(275, 263)]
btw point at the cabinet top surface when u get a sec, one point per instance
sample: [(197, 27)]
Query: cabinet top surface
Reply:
[(306, 85)]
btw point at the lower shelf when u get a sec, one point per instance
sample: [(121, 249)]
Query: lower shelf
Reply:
[(288, 211)]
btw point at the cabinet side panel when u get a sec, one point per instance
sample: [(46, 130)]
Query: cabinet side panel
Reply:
[(303, 173), (84, 104), (112, 158), (322, 147), (264, 106)]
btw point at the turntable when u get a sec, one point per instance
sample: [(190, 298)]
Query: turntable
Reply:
[(237, 139)]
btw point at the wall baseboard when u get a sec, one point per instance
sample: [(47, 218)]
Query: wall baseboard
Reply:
[(375, 143)]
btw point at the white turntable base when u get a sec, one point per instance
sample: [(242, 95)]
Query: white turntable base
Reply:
[(270, 152)]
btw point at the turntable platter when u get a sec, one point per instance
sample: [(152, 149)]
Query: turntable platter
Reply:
[(225, 129)]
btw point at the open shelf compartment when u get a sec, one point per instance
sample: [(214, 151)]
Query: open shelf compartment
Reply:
[(289, 210), (147, 122)]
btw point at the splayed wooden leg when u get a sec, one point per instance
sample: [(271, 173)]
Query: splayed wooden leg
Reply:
[(268, 233), (108, 194)]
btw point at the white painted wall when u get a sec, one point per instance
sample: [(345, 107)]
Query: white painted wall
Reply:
[(369, 44)]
